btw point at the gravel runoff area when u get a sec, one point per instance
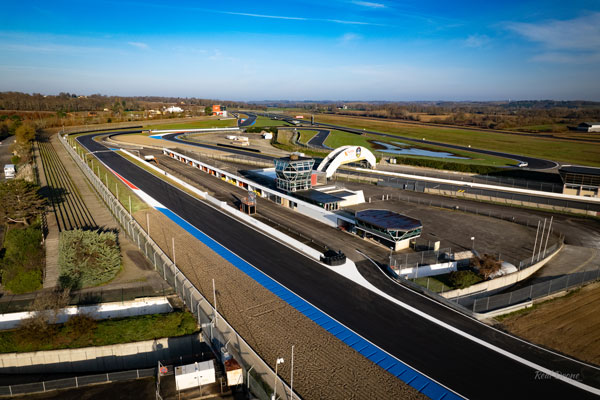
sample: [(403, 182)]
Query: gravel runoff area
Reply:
[(569, 324), (324, 367)]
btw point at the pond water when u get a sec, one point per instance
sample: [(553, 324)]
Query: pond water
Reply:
[(405, 149)]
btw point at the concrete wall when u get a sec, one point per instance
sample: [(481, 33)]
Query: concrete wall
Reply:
[(427, 270), (141, 306), (101, 358), (487, 288)]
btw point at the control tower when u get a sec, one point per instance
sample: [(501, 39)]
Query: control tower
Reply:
[(294, 173)]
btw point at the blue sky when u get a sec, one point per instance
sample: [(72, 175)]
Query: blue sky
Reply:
[(297, 50)]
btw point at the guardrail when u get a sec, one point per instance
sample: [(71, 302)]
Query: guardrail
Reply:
[(532, 292), (215, 329), (75, 382)]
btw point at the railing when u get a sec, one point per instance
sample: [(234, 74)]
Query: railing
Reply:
[(532, 292), (426, 257), (215, 329), (474, 194), (75, 382)]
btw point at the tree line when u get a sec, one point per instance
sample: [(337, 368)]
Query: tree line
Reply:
[(71, 102)]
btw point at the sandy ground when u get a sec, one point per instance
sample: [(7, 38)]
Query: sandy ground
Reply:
[(324, 367), (568, 324)]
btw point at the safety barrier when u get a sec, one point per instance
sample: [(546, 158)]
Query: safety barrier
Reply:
[(215, 329), (75, 382)]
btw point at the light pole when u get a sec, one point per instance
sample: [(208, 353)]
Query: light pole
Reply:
[(279, 361), (473, 243), (292, 376)]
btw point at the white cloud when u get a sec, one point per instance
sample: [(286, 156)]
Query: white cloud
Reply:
[(557, 57), (261, 15), (573, 41), (336, 21), (369, 4), (477, 40), (581, 33), (349, 37), (139, 45)]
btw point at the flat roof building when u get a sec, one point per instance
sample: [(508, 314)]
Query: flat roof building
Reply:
[(580, 181), (387, 227)]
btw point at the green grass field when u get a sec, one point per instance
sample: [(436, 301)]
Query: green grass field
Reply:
[(209, 123), (547, 148), (306, 136), (542, 128), (107, 332)]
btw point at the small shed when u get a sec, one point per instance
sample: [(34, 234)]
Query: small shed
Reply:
[(195, 375)]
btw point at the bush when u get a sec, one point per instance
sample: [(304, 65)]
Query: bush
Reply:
[(87, 258), (463, 279), (23, 260), (15, 159), (486, 265), (80, 326), (25, 281)]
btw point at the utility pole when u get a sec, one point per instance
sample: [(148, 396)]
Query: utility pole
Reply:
[(292, 376), (548, 235), (535, 242), (541, 241)]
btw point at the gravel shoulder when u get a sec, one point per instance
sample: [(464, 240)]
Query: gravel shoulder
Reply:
[(324, 367)]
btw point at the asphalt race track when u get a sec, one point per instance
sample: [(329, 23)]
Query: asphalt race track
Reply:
[(471, 369), (319, 139), (248, 121)]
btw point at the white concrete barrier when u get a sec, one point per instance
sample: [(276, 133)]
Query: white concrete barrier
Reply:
[(494, 285), (427, 270), (130, 308), (101, 358)]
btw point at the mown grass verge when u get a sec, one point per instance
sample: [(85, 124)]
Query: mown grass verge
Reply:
[(102, 333), (209, 123)]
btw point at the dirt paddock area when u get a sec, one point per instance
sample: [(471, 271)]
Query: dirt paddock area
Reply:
[(569, 324)]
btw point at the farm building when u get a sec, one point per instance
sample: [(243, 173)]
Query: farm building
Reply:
[(589, 127)]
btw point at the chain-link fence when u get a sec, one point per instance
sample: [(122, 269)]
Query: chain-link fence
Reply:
[(24, 302), (75, 382), (215, 329), (531, 292), (425, 257)]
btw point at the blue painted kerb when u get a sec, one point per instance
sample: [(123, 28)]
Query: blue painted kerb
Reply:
[(405, 373)]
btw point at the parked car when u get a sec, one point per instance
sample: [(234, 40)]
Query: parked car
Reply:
[(522, 164)]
